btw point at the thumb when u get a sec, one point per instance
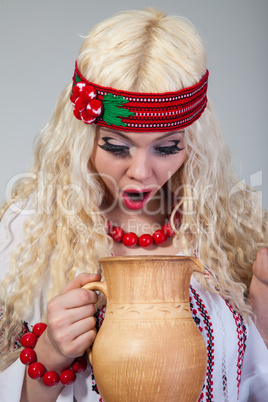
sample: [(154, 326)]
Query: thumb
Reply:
[(80, 281), (260, 266)]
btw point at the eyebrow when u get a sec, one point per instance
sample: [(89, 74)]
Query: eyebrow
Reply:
[(127, 138)]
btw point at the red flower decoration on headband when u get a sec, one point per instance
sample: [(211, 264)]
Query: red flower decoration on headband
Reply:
[(86, 107)]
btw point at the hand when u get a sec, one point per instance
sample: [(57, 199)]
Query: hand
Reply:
[(258, 292), (260, 266), (71, 322)]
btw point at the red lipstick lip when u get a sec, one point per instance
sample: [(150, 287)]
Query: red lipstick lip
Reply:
[(131, 204)]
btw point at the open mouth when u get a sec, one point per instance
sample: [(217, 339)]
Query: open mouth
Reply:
[(135, 196), (135, 199)]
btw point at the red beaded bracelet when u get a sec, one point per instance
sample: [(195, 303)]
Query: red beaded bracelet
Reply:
[(37, 370)]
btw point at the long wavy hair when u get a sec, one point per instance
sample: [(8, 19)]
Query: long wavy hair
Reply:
[(142, 51)]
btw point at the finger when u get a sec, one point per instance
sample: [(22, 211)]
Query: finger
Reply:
[(76, 329), (62, 332), (260, 266), (82, 343), (80, 281), (82, 326), (73, 299), (79, 313), (76, 346), (262, 257)]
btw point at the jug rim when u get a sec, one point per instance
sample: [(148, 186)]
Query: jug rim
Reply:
[(199, 266), (147, 257)]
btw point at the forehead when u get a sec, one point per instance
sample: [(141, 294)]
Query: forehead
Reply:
[(143, 138)]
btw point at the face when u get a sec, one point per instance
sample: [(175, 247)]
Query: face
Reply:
[(135, 166)]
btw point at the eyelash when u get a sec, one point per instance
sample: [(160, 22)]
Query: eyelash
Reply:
[(171, 150), (117, 150), (122, 151)]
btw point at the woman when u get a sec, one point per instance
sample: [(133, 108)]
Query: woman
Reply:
[(110, 161)]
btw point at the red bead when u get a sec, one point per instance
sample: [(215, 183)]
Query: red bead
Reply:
[(68, 377), (29, 340), (159, 237), (27, 356), (36, 370), (116, 233), (51, 378), (79, 365), (39, 328), (145, 240), (130, 239), (167, 228)]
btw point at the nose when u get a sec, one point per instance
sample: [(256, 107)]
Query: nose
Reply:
[(140, 166)]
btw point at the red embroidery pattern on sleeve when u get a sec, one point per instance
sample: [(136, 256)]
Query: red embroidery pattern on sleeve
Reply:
[(100, 316), (204, 323), (16, 345), (99, 320), (241, 341)]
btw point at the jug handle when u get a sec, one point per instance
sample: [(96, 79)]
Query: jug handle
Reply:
[(102, 287)]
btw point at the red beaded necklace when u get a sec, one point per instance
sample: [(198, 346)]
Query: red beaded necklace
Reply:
[(130, 239)]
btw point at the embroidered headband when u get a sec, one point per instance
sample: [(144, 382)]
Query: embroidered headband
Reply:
[(136, 111)]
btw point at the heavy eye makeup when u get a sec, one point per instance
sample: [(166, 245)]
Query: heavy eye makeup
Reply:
[(166, 149), (114, 147), (111, 145)]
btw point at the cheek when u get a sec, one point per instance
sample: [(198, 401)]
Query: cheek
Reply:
[(108, 170), (167, 168), (101, 161), (181, 159)]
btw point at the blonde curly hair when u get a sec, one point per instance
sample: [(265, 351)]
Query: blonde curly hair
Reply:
[(142, 51)]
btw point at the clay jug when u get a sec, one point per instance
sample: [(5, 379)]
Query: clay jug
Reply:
[(148, 347)]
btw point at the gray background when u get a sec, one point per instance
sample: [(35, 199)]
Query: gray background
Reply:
[(39, 42)]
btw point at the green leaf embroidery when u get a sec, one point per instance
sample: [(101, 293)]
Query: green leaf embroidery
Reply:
[(112, 112), (77, 79)]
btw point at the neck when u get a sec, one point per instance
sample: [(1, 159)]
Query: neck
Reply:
[(145, 220)]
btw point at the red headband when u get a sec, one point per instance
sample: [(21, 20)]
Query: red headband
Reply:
[(136, 111)]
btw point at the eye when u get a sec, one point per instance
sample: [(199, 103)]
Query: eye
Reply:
[(169, 149), (117, 150)]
